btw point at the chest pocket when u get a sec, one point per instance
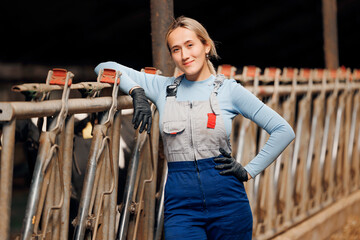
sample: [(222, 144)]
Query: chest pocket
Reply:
[(174, 134), (174, 128)]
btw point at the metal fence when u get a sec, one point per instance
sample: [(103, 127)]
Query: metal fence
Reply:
[(322, 165), (318, 168)]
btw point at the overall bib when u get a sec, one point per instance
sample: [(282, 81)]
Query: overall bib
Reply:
[(199, 202)]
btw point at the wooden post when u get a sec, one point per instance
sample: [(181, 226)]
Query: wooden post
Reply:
[(162, 14), (330, 34)]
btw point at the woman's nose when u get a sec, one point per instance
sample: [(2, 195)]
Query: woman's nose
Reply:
[(185, 54)]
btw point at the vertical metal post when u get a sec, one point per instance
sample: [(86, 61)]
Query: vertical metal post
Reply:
[(160, 213), (129, 187), (46, 139), (115, 151), (66, 168), (330, 34), (104, 185), (6, 177), (58, 195), (162, 14), (89, 182), (151, 189)]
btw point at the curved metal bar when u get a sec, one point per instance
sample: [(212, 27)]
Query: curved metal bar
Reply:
[(107, 139), (353, 129), (35, 188), (59, 205), (129, 187), (89, 178), (143, 187)]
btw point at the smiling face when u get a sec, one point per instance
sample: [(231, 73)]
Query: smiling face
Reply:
[(189, 54)]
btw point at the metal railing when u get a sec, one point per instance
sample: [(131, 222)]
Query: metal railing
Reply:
[(322, 165), (318, 168), (48, 206)]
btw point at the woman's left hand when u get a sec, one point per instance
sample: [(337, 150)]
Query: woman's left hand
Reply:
[(230, 166), (142, 110)]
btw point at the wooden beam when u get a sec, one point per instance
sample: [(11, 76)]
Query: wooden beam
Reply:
[(162, 14), (329, 10)]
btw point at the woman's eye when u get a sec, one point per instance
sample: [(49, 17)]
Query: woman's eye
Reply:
[(175, 50)]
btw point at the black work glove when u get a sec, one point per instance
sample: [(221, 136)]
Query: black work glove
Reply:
[(142, 110), (231, 166)]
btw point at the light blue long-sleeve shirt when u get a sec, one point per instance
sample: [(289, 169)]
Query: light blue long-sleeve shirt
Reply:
[(233, 99)]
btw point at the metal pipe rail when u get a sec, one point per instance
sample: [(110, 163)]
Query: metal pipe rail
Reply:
[(322, 165), (23, 110)]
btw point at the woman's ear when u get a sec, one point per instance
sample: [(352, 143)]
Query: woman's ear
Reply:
[(207, 48)]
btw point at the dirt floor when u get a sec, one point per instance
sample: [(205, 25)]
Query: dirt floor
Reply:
[(351, 230)]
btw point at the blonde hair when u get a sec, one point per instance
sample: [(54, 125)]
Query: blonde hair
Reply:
[(200, 32)]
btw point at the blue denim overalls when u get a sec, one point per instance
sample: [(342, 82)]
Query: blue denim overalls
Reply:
[(199, 202)]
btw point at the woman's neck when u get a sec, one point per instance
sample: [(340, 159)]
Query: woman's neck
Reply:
[(200, 76)]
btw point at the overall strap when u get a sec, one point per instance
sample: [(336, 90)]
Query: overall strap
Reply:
[(213, 101), (219, 79), (171, 90)]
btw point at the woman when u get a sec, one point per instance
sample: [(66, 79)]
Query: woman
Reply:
[(204, 195)]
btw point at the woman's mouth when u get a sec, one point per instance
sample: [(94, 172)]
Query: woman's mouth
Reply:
[(188, 63)]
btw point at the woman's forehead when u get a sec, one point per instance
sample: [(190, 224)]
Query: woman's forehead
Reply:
[(180, 36)]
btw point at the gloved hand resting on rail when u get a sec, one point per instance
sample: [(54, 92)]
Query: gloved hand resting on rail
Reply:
[(142, 110), (230, 166)]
